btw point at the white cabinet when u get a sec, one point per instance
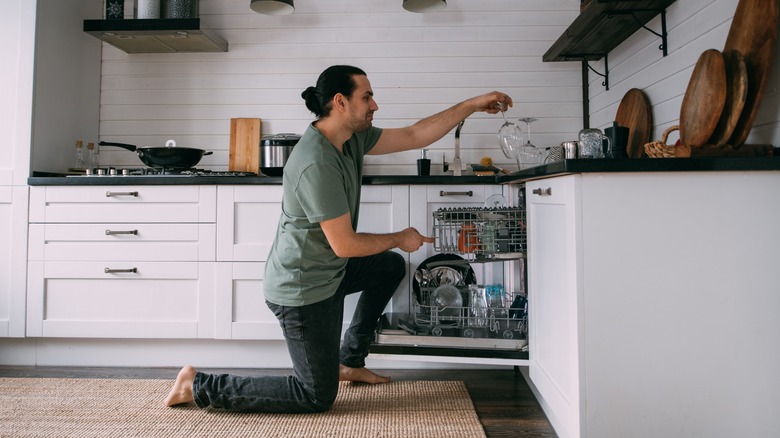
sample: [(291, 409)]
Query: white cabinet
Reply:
[(652, 298), (554, 288), (246, 227), (13, 232), (121, 261)]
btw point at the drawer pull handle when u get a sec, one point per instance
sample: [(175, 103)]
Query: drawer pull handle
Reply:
[(114, 194), (121, 271), (114, 233), (443, 193), (543, 192)]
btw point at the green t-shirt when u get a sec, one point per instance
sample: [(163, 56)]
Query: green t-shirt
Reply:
[(320, 183)]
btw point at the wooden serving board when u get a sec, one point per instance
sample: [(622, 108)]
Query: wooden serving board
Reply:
[(704, 99), (635, 113), (736, 95), (245, 145), (753, 33)]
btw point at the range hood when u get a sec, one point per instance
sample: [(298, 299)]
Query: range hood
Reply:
[(164, 35)]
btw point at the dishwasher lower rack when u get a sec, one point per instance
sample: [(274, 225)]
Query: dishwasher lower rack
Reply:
[(504, 318), (481, 234)]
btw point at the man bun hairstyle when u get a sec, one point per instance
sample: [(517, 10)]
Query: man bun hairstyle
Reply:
[(334, 80)]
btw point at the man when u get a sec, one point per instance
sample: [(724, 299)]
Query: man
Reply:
[(318, 257)]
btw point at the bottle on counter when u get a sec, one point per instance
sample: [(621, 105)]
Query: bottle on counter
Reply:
[(78, 163), (93, 156)]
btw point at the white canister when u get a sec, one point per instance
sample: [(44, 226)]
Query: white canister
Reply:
[(147, 9)]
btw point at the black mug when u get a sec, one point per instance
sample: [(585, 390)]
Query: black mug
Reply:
[(618, 135), (423, 167)]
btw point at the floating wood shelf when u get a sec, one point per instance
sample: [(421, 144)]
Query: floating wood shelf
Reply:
[(602, 26)]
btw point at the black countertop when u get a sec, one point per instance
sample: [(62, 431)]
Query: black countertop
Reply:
[(546, 170)]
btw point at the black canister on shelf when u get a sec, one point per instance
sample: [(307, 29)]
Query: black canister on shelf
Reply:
[(180, 9)]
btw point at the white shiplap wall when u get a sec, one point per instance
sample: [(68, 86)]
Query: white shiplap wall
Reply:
[(418, 64), (693, 26)]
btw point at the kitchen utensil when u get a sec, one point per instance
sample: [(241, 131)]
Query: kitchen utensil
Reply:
[(424, 164), (554, 154), (448, 299), (452, 260), (168, 157), (753, 33), (274, 152), (446, 275), (495, 201), (635, 113), (591, 144), (510, 137), (457, 165), (245, 145), (569, 149), (618, 136), (736, 95), (704, 99), (477, 305)]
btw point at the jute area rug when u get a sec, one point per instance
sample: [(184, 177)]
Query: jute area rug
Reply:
[(47, 407)]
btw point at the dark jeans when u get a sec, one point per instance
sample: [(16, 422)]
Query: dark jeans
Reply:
[(313, 333)]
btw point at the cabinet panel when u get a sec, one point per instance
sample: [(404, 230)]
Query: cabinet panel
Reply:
[(240, 307), (114, 241), (553, 291), (247, 221), (97, 204), (13, 251), (136, 300)]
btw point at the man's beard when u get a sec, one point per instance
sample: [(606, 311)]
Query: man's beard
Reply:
[(357, 124)]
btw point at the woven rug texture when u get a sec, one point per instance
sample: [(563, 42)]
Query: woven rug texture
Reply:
[(49, 407)]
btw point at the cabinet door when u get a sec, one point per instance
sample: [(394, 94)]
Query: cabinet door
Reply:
[(127, 299), (241, 311), (247, 217), (383, 209), (13, 231), (554, 297)]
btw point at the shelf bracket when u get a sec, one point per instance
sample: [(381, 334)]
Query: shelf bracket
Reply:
[(664, 43), (585, 58)]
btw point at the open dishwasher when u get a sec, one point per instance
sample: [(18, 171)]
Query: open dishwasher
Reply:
[(450, 314)]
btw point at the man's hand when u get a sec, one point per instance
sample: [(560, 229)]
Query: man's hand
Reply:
[(412, 240)]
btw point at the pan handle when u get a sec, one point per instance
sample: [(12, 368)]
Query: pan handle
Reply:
[(208, 152), (129, 147)]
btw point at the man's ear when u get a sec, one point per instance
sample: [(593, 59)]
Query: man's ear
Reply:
[(340, 102)]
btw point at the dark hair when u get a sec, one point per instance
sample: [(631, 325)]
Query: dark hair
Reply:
[(335, 79)]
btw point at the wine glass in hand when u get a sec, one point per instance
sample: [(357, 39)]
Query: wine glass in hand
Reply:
[(509, 135)]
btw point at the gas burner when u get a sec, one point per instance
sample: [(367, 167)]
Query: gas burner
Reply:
[(159, 172)]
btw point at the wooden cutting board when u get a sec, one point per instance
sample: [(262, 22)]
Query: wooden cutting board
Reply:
[(635, 113), (753, 33), (736, 94), (704, 99), (245, 145)]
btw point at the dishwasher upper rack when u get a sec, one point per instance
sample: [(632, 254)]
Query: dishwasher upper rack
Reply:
[(481, 233)]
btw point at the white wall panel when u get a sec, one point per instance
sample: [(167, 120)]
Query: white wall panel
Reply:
[(418, 64), (693, 26)]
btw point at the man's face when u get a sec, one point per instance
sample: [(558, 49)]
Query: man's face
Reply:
[(361, 105)]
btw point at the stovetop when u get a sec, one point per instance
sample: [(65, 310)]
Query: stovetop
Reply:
[(158, 172)]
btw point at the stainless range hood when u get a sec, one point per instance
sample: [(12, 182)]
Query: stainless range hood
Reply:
[(165, 35)]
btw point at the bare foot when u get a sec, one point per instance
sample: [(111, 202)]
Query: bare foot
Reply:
[(182, 387), (347, 374)]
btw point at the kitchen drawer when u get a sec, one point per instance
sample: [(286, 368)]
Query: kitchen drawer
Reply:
[(99, 204), (122, 241), (157, 300)]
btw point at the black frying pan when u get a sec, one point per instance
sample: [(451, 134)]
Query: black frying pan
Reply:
[(168, 157)]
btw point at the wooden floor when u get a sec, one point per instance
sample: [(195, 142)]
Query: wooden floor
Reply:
[(504, 402)]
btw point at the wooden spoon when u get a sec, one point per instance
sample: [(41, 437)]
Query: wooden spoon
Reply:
[(736, 95), (704, 99)]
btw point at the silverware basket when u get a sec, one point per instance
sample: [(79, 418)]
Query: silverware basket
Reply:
[(480, 234)]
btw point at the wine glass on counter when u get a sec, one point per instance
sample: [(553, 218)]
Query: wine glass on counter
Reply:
[(528, 155)]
